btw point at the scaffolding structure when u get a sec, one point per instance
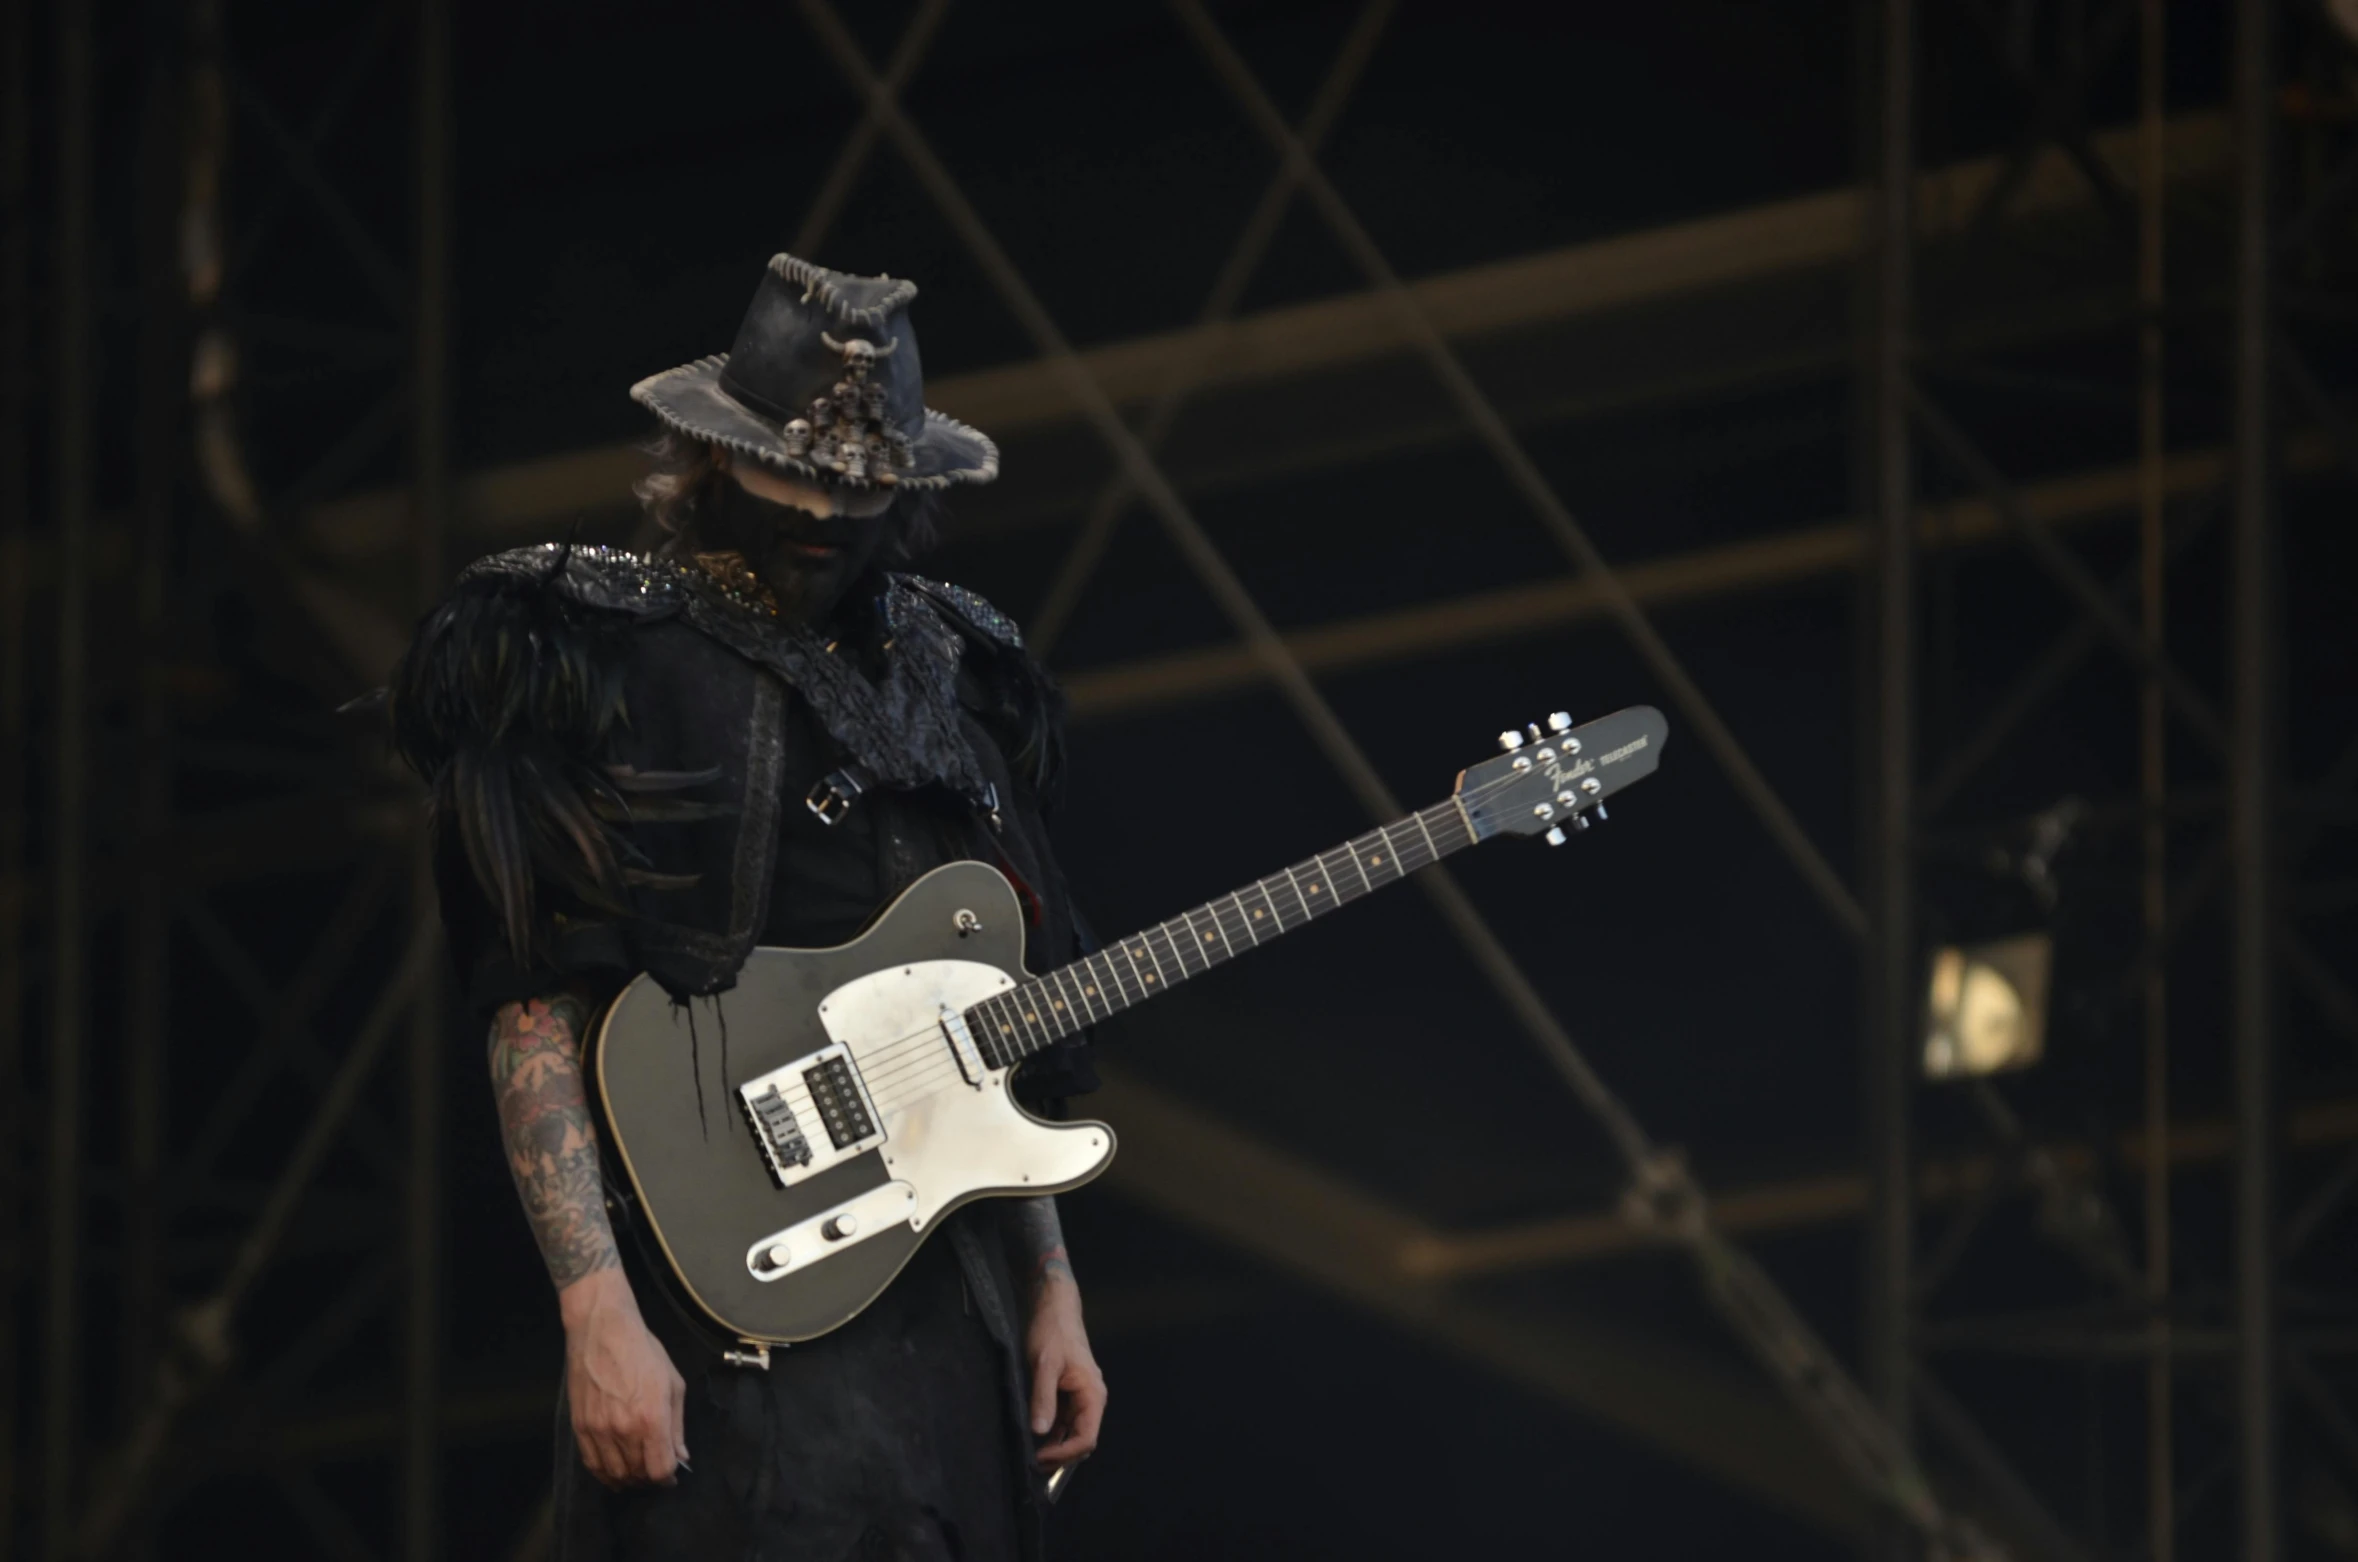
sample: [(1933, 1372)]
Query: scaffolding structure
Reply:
[(176, 1239)]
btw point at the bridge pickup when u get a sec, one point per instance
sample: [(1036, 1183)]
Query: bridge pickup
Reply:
[(775, 1130), (841, 1106)]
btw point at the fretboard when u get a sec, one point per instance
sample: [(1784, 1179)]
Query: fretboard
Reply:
[(1041, 1012)]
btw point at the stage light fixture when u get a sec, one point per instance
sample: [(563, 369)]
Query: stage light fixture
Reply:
[(1985, 1009)]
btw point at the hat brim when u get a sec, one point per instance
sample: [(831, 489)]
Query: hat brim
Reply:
[(690, 399)]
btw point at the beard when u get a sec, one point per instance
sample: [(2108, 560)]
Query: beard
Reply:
[(810, 563)]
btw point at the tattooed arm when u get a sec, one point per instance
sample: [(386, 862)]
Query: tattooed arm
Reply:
[(1068, 1391), (625, 1396)]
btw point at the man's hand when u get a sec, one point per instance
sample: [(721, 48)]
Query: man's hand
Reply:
[(1068, 1392), (628, 1403)]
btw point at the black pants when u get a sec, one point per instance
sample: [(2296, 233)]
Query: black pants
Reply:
[(889, 1438)]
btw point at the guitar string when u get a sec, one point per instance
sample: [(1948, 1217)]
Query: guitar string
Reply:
[(910, 1080), (909, 1069), (894, 1068)]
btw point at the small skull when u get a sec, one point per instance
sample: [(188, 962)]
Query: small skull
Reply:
[(822, 410), (798, 437), (859, 355)]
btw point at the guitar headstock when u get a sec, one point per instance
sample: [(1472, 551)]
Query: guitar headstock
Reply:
[(1555, 774)]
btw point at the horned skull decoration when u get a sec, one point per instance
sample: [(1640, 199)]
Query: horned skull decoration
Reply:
[(845, 431)]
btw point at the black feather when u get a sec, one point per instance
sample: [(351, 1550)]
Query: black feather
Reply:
[(507, 704)]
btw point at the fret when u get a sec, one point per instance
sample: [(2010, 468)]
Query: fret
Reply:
[(1316, 900), (1244, 919), (1428, 835), (1062, 995), (1127, 990), (1177, 946), (1213, 940), (996, 1029), (1301, 908), (1093, 987), (1162, 971), (1026, 1000), (1012, 1025), (1132, 948), (1351, 850)]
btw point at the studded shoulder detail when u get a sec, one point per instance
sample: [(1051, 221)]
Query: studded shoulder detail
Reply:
[(977, 612)]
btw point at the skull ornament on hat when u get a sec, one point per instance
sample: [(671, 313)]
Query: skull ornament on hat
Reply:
[(823, 383)]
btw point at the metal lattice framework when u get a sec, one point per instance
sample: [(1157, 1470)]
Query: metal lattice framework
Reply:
[(203, 1407)]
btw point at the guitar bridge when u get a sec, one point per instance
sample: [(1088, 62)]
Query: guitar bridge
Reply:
[(775, 1130), (810, 1115)]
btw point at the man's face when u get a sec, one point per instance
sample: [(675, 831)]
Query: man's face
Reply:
[(809, 543)]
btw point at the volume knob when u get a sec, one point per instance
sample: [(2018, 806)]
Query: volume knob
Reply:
[(841, 1226)]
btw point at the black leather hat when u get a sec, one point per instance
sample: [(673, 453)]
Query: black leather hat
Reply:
[(824, 383)]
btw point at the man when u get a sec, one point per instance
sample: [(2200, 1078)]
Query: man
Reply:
[(758, 735)]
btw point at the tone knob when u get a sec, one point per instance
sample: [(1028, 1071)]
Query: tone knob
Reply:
[(1560, 721), (775, 1256), (1510, 741), (839, 1227)]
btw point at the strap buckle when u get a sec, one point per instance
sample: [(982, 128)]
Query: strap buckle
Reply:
[(832, 796)]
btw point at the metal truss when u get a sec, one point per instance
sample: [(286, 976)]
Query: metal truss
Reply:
[(203, 1410), (206, 1187), (2142, 1298)]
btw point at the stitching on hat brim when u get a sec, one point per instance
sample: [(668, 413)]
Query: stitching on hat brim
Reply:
[(820, 283), (940, 429)]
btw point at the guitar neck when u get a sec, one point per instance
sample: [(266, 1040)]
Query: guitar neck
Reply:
[(1021, 1021)]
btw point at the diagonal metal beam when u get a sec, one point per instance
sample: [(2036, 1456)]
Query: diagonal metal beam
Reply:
[(1105, 512), (204, 1344), (1661, 1189), (835, 190), (1313, 1227), (1426, 338), (2193, 705)]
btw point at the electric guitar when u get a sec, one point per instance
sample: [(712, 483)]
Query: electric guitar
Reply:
[(869, 1095)]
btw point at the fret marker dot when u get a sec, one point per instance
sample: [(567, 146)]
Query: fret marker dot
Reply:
[(1208, 937), (1091, 991), (1258, 915), (1150, 976), (1313, 889), (1058, 1004), (1006, 1030), (1030, 1016), (1377, 860)]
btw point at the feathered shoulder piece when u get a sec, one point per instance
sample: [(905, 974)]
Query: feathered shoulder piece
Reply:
[(1021, 701), (507, 704)]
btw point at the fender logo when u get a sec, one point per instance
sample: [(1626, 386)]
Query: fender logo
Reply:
[(1623, 752)]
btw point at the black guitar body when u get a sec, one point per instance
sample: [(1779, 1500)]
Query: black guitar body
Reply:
[(790, 1195)]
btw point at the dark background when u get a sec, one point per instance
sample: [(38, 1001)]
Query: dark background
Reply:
[(619, 176)]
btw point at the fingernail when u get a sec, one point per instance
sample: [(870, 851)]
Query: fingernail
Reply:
[(1039, 1425)]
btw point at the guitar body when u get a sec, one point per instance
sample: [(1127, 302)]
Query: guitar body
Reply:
[(788, 1195)]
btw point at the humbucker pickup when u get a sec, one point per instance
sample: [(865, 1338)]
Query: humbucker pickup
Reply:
[(841, 1106)]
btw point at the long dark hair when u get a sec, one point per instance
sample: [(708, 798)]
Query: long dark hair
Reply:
[(684, 469)]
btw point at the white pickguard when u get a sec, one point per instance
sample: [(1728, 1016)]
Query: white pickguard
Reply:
[(944, 1140)]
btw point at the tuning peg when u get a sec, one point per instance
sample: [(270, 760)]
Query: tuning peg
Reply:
[(1561, 721), (1533, 729), (1580, 821), (1510, 740), (1555, 835), (1601, 814)]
